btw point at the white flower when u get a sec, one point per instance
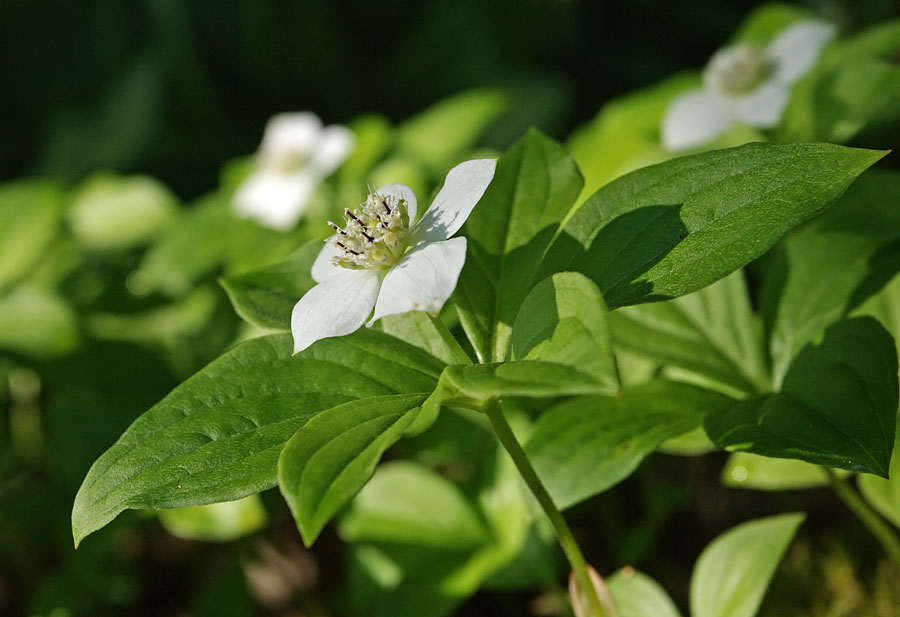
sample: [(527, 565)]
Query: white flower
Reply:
[(380, 259), (296, 153), (743, 83)]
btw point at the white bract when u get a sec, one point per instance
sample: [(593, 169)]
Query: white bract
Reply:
[(744, 84), (381, 259), (296, 153)]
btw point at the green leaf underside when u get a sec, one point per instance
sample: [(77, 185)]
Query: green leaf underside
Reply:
[(733, 572), (712, 331), (837, 406), (670, 229), (327, 461), (217, 437), (533, 188), (638, 595), (564, 320), (266, 297), (827, 268), (586, 445)]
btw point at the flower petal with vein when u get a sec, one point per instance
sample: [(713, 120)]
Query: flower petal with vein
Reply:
[(296, 153), (745, 84), (384, 260)]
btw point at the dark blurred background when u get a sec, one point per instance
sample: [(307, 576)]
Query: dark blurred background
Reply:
[(174, 88)]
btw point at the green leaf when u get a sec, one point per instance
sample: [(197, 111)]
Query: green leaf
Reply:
[(410, 504), (564, 320), (712, 331), (584, 446), (267, 296), (824, 270), (218, 435), (470, 385), (439, 136), (119, 212), (733, 572), (417, 328), (638, 595), (884, 494), (670, 229), (37, 322), (745, 470), (29, 220), (534, 186), (326, 462), (216, 522), (837, 405)]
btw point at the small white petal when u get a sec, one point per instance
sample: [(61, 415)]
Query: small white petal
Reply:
[(463, 188), (400, 191), (323, 267), (695, 118), (291, 133), (764, 106), (335, 145), (274, 199), (796, 48), (423, 280), (338, 306)]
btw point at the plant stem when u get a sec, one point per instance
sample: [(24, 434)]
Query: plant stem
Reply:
[(864, 512), (563, 533), (452, 344)]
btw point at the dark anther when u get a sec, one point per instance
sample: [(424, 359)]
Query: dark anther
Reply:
[(386, 207)]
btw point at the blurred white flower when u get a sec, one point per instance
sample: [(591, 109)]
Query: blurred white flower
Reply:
[(380, 259), (296, 153), (745, 84)]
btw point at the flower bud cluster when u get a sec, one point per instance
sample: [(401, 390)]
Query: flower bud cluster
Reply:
[(374, 235), (737, 69)]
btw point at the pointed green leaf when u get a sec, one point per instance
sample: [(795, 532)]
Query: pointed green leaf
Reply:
[(327, 461), (733, 572), (218, 435), (670, 229), (533, 188), (837, 405), (564, 320), (712, 331), (827, 268), (584, 446), (471, 385)]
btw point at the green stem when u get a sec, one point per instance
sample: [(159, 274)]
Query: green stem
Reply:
[(563, 533), (864, 512), (452, 344)]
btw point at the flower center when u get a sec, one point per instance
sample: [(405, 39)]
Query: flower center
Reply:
[(374, 235), (737, 69)]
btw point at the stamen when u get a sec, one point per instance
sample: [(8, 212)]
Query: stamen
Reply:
[(386, 207)]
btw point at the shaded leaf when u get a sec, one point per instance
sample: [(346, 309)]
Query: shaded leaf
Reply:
[(837, 405)]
